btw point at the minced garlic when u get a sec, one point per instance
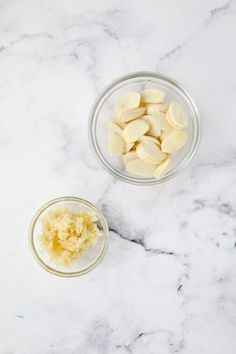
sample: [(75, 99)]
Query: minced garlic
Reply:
[(66, 235)]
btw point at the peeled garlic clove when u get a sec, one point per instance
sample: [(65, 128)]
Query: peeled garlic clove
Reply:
[(127, 115), (153, 108), (174, 141), (115, 144), (128, 147), (134, 130), (162, 168), (120, 124), (129, 156), (164, 134), (127, 100), (171, 122), (114, 128), (140, 168), (149, 152), (162, 122), (177, 116), (154, 126), (150, 138), (152, 96)]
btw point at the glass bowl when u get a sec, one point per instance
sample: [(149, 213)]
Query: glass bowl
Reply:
[(86, 262), (103, 111)]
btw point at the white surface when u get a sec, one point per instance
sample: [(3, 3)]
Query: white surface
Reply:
[(55, 56)]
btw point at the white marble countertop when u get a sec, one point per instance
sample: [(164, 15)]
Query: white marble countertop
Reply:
[(168, 282)]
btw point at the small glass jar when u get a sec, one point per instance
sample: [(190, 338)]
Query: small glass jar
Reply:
[(103, 111), (86, 262)]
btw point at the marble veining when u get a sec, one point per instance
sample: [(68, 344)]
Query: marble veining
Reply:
[(168, 282)]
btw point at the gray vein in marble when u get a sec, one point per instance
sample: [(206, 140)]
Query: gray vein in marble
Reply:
[(105, 21), (101, 336), (227, 209), (218, 12), (90, 66), (222, 163), (128, 347), (109, 29), (20, 316), (70, 148), (173, 345), (183, 224), (199, 204), (26, 37), (213, 15), (173, 52), (118, 223), (141, 243), (113, 24), (180, 287), (182, 283), (100, 202)]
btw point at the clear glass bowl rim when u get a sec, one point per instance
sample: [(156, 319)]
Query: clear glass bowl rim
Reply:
[(48, 205), (93, 138)]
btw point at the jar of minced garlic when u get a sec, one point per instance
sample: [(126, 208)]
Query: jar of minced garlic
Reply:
[(68, 236)]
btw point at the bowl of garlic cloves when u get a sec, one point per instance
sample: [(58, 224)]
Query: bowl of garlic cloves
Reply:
[(144, 128)]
